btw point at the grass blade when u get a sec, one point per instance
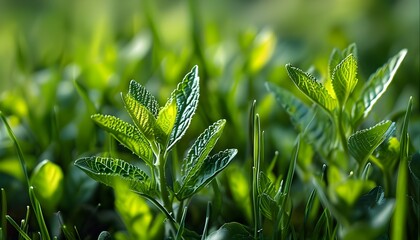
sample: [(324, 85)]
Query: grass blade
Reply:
[(399, 220), (38, 214), (18, 228), (17, 146), (3, 213)]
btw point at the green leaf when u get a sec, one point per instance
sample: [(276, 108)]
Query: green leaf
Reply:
[(370, 217), (311, 88), (127, 135), (200, 150), (136, 214), (337, 56), (344, 78), (143, 119), (265, 185), (376, 86), (350, 190), (207, 172), (47, 180), (104, 235), (144, 97), (269, 207), (186, 97), (362, 143), (110, 171), (414, 167), (165, 122), (315, 125), (400, 214), (231, 231), (262, 50)]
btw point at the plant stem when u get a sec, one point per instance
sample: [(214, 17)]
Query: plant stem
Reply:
[(162, 182)]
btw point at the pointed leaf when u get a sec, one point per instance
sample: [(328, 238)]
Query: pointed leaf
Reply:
[(126, 134), (142, 117), (362, 143), (337, 56), (201, 149), (315, 125), (208, 171), (110, 171), (186, 97), (311, 88), (376, 86), (144, 97), (266, 186), (269, 207), (165, 122), (344, 78), (400, 214)]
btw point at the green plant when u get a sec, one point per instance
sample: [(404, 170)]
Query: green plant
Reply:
[(350, 188), (155, 132)]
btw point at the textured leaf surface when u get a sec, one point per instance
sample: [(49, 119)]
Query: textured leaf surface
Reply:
[(269, 208), (144, 97), (311, 88), (377, 85), (186, 97), (165, 122), (337, 56), (110, 171), (265, 185), (201, 149), (362, 143), (315, 126), (344, 78), (142, 117), (207, 172), (126, 134)]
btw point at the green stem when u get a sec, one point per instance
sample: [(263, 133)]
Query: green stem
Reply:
[(341, 132), (162, 182)]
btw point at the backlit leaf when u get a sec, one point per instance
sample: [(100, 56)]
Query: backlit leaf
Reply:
[(142, 117), (165, 122), (110, 171), (350, 190), (344, 78), (186, 98), (207, 172), (337, 56), (362, 143), (144, 97), (126, 134), (136, 214), (263, 48), (311, 88), (47, 180), (376, 86)]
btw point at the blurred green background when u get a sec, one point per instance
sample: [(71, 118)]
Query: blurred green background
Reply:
[(61, 61)]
